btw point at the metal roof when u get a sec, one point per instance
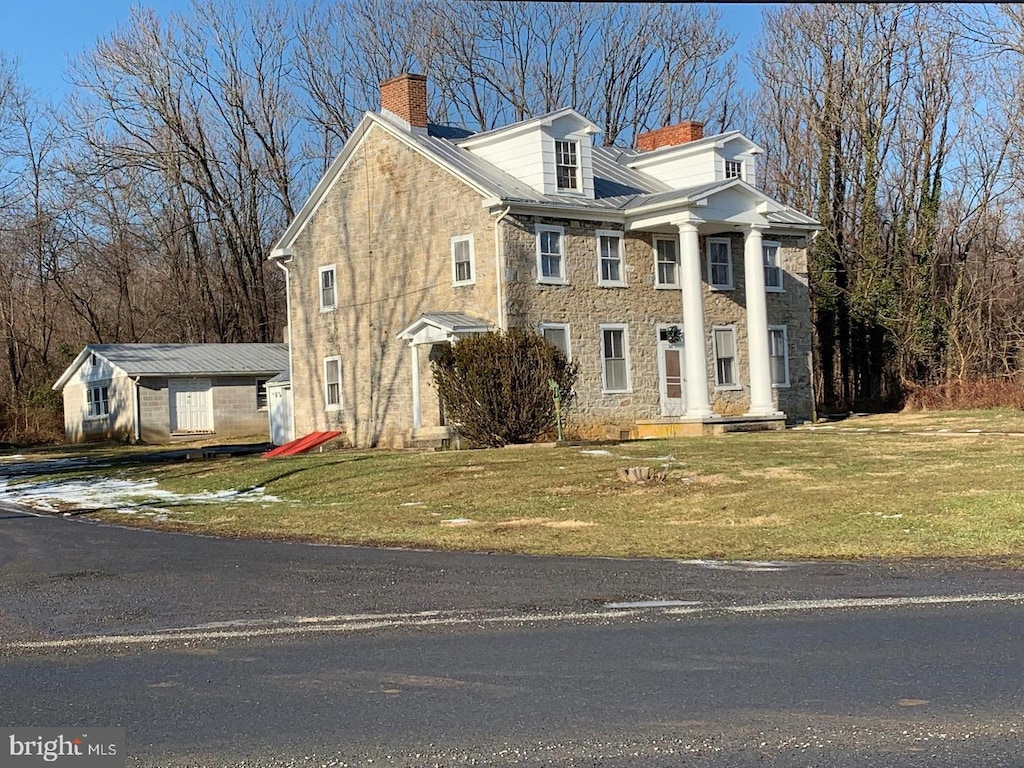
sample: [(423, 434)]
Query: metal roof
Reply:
[(191, 359)]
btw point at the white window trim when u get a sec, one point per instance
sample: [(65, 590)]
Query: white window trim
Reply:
[(472, 260), (560, 326), (266, 394), (707, 247), (89, 399), (735, 358), (320, 288), (579, 167), (778, 258), (625, 351), (743, 169), (654, 247), (785, 349), (328, 406), (561, 279), (621, 282)]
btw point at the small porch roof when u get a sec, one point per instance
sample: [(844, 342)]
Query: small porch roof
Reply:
[(436, 327)]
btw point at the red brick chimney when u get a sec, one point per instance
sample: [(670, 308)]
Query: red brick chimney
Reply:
[(670, 135), (406, 97)]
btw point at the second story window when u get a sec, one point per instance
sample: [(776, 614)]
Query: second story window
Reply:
[(720, 263), (550, 258), (734, 169), (772, 267), (462, 260), (328, 289), (567, 165), (666, 261), (610, 270)]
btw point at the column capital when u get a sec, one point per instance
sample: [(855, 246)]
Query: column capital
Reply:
[(758, 227), (687, 220)]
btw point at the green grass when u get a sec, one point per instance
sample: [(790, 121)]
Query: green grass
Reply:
[(799, 494)]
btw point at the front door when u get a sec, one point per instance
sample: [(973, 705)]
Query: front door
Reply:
[(190, 405), (671, 372)]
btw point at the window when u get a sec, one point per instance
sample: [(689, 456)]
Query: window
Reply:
[(567, 164), (557, 334), (734, 169), (261, 394), (772, 268), (97, 402), (550, 259), (462, 260), (332, 383), (328, 289), (720, 263), (778, 355), (93, 361), (614, 358), (610, 269), (666, 263), (725, 357)]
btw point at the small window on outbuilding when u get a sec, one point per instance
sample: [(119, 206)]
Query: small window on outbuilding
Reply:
[(261, 394)]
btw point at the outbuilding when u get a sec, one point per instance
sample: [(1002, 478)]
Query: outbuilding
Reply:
[(159, 393)]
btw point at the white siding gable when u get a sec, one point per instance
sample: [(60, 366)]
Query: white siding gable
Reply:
[(527, 151), (102, 371), (520, 155), (700, 162)]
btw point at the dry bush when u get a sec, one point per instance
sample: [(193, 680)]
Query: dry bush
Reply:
[(968, 394)]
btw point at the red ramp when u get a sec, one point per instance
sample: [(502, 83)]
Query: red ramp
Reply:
[(302, 444)]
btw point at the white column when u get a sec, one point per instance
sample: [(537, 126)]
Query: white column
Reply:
[(757, 327), (417, 416), (698, 404)]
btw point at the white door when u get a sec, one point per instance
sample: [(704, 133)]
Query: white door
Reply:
[(191, 405), (280, 414), (671, 373)]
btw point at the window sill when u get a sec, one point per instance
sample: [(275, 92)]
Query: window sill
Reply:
[(333, 408), (721, 287), (607, 284), (551, 281), (769, 289), (787, 385), (328, 309), (666, 287), (463, 283), (616, 391), (728, 388)]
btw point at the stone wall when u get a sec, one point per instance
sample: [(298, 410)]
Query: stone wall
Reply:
[(586, 306), (387, 225)]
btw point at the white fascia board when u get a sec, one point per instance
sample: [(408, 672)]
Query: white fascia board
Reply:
[(70, 370), (565, 212)]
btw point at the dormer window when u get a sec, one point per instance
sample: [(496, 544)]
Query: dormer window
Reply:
[(567, 164), (734, 169)]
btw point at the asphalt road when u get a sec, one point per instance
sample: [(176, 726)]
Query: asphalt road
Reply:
[(232, 653)]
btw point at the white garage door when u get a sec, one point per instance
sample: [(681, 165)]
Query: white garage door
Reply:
[(191, 405)]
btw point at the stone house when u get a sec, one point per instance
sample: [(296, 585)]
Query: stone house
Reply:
[(161, 393), (677, 285)]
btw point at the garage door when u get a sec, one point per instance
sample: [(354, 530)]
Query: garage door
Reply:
[(191, 405)]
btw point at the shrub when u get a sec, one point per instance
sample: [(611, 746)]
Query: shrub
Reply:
[(967, 394), (495, 385)]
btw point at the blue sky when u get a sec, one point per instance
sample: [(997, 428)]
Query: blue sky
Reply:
[(45, 34)]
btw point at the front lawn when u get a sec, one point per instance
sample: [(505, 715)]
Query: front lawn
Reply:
[(860, 489)]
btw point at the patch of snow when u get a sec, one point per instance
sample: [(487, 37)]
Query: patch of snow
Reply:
[(124, 496), (456, 521), (412, 504), (13, 457), (596, 452)]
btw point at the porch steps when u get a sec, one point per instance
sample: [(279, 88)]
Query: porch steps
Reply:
[(302, 444)]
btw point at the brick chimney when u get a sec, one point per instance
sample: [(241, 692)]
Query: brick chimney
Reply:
[(670, 135), (405, 96)]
